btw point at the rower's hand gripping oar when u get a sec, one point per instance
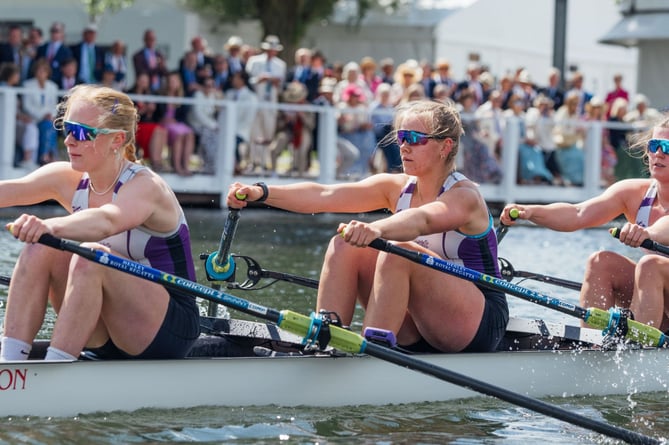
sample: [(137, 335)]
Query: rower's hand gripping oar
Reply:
[(318, 329), (610, 322), (646, 244), (503, 228)]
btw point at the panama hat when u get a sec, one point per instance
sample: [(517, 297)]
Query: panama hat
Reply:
[(294, 92), (233, 42), (271, 43)]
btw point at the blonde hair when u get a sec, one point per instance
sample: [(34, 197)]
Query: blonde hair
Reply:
[(441, 118), (117, 112)]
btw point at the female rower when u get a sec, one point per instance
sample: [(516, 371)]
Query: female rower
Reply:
[(611, 279), (436, 210), (114, 204)]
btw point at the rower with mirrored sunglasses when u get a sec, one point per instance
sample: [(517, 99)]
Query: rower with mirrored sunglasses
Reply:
[(113, 203), (81, 132), (612, 279), (435, 210), (658, 144)]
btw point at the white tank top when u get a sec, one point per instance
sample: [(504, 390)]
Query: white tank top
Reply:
[(478, 252), (169, 252)]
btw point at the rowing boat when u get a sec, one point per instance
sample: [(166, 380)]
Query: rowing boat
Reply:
[(243, 363)]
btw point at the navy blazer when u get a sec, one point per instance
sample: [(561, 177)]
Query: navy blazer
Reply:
[(64, 53), (99, 60)]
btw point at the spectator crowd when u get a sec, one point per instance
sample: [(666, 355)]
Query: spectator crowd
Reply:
[(183, 137)]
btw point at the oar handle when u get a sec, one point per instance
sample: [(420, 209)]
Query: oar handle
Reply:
[(220, 265), (646, 244), (503, 228)]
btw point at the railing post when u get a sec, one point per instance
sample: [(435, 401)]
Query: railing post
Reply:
[(510, 142), (7, 129), (227, 143), (592, 158), (327, 145)]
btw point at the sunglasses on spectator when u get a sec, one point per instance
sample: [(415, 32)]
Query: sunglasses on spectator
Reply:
[(413, 137), (658, 144), (81, 132)]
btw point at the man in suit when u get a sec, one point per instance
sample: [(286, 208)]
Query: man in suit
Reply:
[(233, 47), (472, 83), (68, 74), (89, 56), (577, 88), (553, 90), (150, 61), (55, 50), (10, 51), (204, 59)]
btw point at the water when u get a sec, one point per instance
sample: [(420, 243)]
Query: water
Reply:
[(295, 244)]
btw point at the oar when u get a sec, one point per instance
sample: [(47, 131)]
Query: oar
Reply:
[(608, 321), (503, 228), (317, 329), (220, 265), (646, 244)]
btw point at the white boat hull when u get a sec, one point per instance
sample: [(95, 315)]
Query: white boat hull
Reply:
[(37, 388)]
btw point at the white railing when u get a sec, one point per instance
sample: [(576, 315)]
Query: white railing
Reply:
[(215, 186)]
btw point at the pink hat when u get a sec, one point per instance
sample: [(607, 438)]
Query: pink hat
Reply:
[(352, 90)]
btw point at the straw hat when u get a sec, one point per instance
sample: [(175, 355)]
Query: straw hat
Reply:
[(233, 42), (367, 62), (542, 99), (408, 68), (327, 85), (524, 77), (271, 43), (294, 92)]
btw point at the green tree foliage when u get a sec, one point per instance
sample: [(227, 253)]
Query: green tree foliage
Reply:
[(287, 19), (95, 8)]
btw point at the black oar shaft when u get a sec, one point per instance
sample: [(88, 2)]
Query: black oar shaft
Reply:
[(227, 236), (508, 396), (646, 244), (548, 279)]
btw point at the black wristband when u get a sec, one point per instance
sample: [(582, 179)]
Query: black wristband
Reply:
[(265, 191)]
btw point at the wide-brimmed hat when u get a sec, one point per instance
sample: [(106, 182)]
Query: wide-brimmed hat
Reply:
[(271, 43), (408, 68), (294, 92), (233, 42), (327, 85), (352, 90), (542, 99), (524, 77)]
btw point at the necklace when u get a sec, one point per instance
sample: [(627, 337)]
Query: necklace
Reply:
[(105, 191)]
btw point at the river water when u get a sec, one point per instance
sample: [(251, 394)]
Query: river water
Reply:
[(295, 244)]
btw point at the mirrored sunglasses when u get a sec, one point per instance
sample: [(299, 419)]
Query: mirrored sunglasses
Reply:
[(81, 132), (413, 137), (658, 144)]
